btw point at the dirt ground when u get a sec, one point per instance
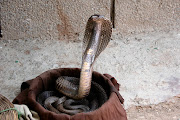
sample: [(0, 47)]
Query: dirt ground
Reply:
[(168, 110)]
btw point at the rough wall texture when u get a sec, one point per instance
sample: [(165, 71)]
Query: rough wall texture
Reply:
[(27, 19), (64, 19), (137, 16), (53, 18), (144, 54)]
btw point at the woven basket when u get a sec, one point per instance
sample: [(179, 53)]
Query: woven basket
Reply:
[(9, 114)]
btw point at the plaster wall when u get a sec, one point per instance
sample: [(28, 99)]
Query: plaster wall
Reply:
[(66, 20)]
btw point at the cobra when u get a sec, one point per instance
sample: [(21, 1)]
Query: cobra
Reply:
[(59, 103), (97, 36)]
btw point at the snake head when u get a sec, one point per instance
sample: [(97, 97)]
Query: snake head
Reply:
[(97, 18)]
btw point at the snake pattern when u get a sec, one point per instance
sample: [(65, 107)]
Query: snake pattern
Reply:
[(78, 90), (59, 103)]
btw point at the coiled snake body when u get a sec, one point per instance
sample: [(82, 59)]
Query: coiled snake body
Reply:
[(97, 36)]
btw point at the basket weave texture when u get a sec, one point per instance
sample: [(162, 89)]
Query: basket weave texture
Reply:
[(9, 114)]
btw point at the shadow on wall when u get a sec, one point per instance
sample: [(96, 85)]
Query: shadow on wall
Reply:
[(0, 30)]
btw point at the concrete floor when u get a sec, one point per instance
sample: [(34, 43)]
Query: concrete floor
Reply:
[(146, 65), (168, 110)]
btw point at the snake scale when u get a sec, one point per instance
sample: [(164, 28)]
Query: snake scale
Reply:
[(82, 94)]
